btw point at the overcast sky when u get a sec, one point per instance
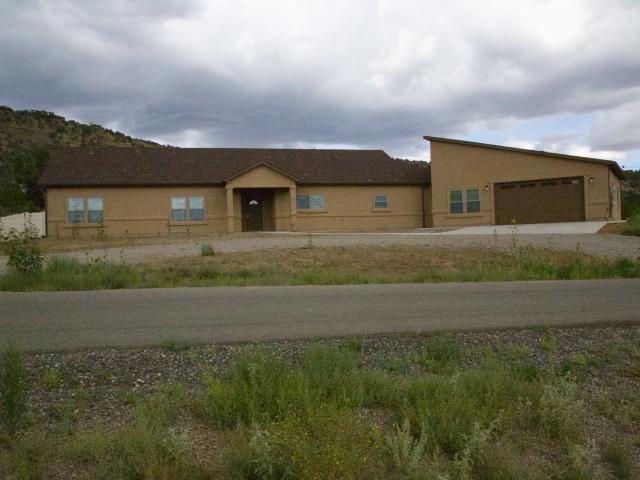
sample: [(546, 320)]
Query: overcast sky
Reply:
[(553, 75)]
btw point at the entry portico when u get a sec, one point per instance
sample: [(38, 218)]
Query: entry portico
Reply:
[(261, 193)]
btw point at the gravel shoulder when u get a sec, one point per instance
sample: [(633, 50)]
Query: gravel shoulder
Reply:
[(97, 378)]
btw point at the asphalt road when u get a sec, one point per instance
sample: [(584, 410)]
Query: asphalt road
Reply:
[(70, 320)]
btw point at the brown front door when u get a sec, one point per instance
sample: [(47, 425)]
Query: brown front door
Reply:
[(252, 210), (540, 201)]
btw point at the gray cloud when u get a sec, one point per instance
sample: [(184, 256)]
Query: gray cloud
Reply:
[(242, 73)]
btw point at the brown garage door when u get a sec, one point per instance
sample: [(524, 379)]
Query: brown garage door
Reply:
[(541, 201)]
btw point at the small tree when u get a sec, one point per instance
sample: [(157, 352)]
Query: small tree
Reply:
[(24, 253)]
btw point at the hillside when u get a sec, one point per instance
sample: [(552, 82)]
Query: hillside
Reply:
[(46, 128), (630, 192), (26, 140)]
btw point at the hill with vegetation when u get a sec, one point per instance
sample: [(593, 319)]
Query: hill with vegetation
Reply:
[(630, 193), (27, 138)]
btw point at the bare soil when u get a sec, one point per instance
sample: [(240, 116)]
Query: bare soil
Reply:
[(366, 260)]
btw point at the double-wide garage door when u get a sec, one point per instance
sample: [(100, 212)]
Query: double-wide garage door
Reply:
[(541, 201)]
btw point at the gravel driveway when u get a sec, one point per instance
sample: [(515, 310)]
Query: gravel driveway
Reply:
[(610, 246)]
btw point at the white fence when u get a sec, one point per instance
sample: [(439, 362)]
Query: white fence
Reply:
[(19, 221)]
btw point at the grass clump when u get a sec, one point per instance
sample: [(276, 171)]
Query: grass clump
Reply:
[(617, 456), (206, 250), (440, 353), (13, 389), (51, 379), (172, 344), (148, 447), (258, 387), (560, 408)]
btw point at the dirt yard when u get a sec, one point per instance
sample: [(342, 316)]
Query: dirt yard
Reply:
[(146, 250), (399, 260)]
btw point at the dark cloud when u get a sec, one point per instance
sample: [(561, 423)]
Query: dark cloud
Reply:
[(325, 73)]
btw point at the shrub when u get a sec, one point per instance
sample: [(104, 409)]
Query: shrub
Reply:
[(582, 464), (406, 452), (149, 447), (135, 452), (27, 458), (632, 225), (333, 376), (323, 444), (257, 388), (207, 250), (448, 408), (617, 455), (440, 353), (559, 408), (24, 253), (474, 452), (13, 388)]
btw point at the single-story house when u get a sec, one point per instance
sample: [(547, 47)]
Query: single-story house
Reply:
[(159, 191)]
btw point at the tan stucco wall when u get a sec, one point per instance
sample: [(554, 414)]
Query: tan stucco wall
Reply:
[(146, 210), (456, 167), (136, 211), (614, 184), (350, 208)]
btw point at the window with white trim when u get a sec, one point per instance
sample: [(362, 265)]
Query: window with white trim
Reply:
[(380, 201), (178, 209), (473, 200), (456, 205), (75, 210), (187, 209), (196, 209), (464, 201), (95, 213), (310, 202)]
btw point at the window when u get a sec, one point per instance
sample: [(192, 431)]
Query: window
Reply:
[(180, 213), (380, 201), (178, 209), (75, 210), (196, 209), (455, 201), (94, 210), (310, 202), (302, 202), (473, 200), (466, 201)]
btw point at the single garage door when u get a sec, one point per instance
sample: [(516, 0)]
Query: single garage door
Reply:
[(540, 201)]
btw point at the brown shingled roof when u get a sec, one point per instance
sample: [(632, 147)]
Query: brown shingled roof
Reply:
[(121, 166), (610, 163)]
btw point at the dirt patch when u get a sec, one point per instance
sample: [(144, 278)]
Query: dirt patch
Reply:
[(366, 260), (612, 228), (87, 243)]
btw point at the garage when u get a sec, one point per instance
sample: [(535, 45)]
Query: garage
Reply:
[(540, 201)]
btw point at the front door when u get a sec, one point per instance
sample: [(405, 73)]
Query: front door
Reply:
[(252, 209)]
